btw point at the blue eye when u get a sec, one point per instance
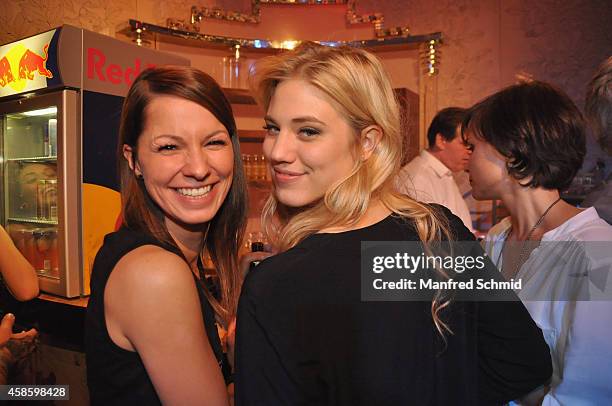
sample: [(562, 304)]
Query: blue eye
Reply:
[(309, 131)]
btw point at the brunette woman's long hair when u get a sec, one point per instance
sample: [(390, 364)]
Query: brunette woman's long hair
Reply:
[(224, 232)]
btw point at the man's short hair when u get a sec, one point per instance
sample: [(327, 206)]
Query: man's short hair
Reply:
[(598, 106), (445, 123), (537, 128)]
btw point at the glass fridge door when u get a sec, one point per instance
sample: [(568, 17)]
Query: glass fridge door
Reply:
[(34, 185), (30, 156)]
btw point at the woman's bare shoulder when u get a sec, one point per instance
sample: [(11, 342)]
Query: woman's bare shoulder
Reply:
[(151, 269)]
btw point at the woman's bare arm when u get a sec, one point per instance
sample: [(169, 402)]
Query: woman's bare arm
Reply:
[(19, 276), (152, 307)]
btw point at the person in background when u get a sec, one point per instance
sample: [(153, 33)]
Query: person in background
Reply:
[(21, 281), (6, 330), (304, 335), (29, 176), (598, 108), (528, 142), (151, 336), (429, 176), (14, 347), (17, 273)]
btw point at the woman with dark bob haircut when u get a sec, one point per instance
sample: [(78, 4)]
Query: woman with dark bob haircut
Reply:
[(528, 142), (151, 336)]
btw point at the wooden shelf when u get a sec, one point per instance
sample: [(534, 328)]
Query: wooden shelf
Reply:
[(238, 96), (78, 302), (251, 135)]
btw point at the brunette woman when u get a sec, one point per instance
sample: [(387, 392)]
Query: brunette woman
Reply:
[(151, 333), (528, 142)]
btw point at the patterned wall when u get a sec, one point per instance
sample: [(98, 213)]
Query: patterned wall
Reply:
[(486, 42), (21, 18), (489, 42)]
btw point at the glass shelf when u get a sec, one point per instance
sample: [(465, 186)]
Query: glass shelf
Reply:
[(217, 41), (45, 274), (256, 136), (33, 220), (51, 158)]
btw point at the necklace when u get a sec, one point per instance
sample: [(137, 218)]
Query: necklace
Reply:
[(524, 245)]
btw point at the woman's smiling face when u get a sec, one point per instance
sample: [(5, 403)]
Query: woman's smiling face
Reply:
[(186, 159), (309, 145)]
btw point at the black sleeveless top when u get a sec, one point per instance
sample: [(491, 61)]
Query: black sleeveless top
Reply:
[(114, 375)]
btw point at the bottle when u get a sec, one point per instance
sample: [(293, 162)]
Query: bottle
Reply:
[(257, 245), (232, 69), (255, 168), (247, 167), (52, 149), (46, 199)]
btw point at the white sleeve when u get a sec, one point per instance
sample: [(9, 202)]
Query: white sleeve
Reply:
[(586, 376)]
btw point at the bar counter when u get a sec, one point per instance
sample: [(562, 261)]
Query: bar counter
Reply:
[(58, 356)]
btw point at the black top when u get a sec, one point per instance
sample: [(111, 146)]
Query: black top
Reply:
[(304, 337), (116, 376)]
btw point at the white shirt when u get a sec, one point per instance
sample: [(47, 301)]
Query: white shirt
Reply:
[(428, 180), (601, 199), (578, 332)]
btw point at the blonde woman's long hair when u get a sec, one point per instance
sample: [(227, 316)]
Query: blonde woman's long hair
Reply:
[(357, 85)]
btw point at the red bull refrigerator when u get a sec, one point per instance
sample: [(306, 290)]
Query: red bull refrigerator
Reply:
[(61, 94)]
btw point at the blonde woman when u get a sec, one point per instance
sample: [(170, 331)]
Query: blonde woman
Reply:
[(304, 336)]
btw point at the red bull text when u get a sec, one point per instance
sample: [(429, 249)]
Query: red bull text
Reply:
[(97, 68)]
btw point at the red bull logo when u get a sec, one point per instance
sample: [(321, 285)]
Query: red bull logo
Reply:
[(6, 74), (31, 62), (21, 65)]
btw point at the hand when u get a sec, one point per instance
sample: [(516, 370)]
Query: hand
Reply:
[(6, 331), (6, 328)]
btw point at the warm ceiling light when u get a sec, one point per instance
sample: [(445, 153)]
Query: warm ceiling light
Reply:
[(289, 44)]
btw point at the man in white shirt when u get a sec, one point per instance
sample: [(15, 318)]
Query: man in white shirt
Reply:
[(598, 108), (429, 176)]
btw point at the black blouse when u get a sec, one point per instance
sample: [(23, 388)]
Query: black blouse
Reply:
[(116, 376), (304, 337)]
